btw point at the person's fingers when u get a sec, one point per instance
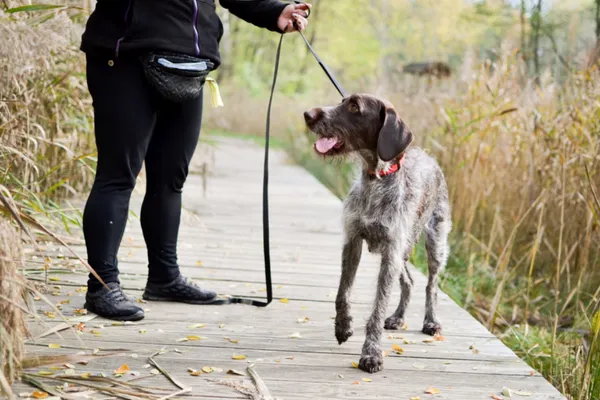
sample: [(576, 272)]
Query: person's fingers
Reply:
[(301, 22), (303, 8)]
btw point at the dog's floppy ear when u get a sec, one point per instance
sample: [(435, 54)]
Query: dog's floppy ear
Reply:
[(394, 136)]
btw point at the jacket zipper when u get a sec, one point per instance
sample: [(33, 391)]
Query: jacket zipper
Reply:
[(126, 17), (195, 22)]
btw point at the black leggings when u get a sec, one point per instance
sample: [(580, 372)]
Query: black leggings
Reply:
[(133, 125)]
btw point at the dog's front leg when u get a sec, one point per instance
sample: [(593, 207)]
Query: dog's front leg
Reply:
[(350, 259), (371, 359)]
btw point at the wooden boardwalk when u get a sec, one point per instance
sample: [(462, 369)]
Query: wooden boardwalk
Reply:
[(291, 342)]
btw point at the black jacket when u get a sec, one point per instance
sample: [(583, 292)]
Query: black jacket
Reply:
[(118, 27)]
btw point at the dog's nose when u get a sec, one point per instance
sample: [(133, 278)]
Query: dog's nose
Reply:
[(311, 115)]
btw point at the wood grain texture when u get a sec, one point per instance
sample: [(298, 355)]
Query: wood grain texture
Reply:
[(221, 247)]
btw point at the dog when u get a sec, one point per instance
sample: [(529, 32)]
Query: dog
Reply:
[(399, 193)]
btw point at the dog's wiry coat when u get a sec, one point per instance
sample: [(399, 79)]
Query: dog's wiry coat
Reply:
[(389, 213)]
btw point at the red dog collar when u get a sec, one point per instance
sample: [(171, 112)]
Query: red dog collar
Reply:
[(393, 169)]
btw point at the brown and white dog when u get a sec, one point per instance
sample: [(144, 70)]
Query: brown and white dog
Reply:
[(400, 193)]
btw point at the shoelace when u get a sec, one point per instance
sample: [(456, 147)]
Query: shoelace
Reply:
[(117, 295)]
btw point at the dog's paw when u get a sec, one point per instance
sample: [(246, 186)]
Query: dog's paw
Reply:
[(394, 323), (371, 363), (343, 329), (432, 328)]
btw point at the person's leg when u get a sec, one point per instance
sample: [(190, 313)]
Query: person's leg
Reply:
[(124, 116), (168, 158)]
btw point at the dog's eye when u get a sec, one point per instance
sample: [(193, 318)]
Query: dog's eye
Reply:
[(354, 108)]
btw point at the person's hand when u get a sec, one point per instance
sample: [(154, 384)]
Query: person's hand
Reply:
[(294, 13)]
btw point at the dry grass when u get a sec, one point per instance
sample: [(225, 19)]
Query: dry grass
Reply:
[(12, 325), (46, 151)]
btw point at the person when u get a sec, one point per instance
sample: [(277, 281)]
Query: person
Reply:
[(134, 125)]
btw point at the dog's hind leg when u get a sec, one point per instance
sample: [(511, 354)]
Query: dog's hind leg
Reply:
[(350, 259), (436, 244)]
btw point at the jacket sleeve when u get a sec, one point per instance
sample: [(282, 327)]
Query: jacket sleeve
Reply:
[(261, 13)]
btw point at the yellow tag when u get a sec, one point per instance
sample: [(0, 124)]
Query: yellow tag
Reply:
[(215, 95)]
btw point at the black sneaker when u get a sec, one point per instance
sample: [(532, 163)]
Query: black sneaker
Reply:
[(113, 304), (181, 289)]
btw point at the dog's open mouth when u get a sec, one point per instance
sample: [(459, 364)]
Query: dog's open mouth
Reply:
[(328, 145)]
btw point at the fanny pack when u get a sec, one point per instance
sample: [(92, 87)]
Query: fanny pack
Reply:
[(176, 77)]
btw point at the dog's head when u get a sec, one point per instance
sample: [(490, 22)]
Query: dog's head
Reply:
[(361, 122)]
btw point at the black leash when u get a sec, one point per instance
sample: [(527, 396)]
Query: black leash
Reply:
[(266, 246)]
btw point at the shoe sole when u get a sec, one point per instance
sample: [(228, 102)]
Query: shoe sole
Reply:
[(172, 299), (134, 317)]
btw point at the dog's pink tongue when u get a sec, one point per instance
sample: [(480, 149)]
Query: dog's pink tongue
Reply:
[(325, 144)]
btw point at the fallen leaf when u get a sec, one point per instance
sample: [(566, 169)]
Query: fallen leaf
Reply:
[(196, 326), (199, 263), (80, 326), (85, 375), (182, 340), (69, 371), (295, 335), (39, 395), (221, 326), (397, 349), (439, 337), (95, 332), (69, 366), (208, 370), (95, 351), (493, 396), (355, 383), (45, 373), (122, 369), (193, 372), (302, 320), (284, 300), (290, 358), (193, 337), (215, 369), (49, 314), (366, 379), (235, 372), (399, 337), (154, 371), (231, 340), (142, 301), (340, 376), (143, 331), (415, 398), (80, 311), (428, 340), (531, 373), (355, 365), (238, 357), (81, 289), (54, 346), (431, 390)]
